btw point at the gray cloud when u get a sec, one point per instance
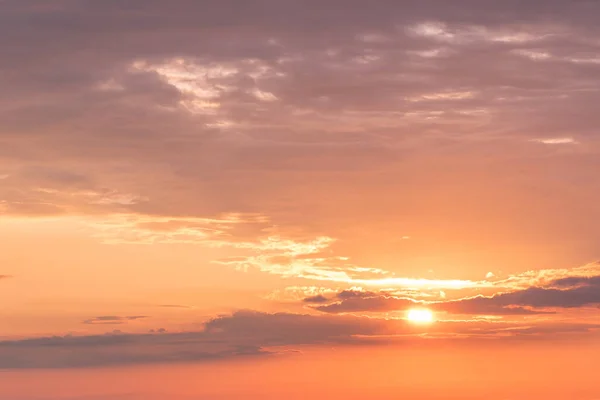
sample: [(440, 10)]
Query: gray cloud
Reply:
[(319, 298), (572, 292), (543, 298), (353, 294), (576, 281), (243, 333), (354, 301), (481, 305), (370, 304), (249, 333), (324, 87)]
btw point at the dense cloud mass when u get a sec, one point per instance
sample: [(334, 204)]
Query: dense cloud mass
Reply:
[(242, 333), (247, 333), (210, 98), (177, 115)]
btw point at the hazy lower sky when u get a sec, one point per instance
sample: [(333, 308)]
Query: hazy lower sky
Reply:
[(291, 199)]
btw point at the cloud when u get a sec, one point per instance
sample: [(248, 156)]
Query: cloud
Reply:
[(576, 281), (569, 292), (579, 292), (377, 303), (333, 111), (113, 320), (562, 293), (299, 293), (368, 304), (364, 301), (243, 333), (545, 277), (316, 299), (301, 258), (251, 333), (287, 329), (560, 140), (481, 305), (220, 230)]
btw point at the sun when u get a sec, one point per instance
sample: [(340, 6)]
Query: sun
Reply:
[(420, 316)]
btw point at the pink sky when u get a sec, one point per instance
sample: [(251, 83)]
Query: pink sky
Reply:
[(248, 198)]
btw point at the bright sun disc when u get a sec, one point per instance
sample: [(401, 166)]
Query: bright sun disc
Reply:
[(420, 316)]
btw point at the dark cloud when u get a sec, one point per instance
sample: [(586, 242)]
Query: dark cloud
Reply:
[(248, 333), (576, 281), (112, 319), (242, 333), (286, 329), (353, 294), (481, 305), (541, 297), (367, 303), (316, 299), (572, 292)]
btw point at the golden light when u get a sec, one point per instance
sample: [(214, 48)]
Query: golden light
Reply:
[(420, 316)]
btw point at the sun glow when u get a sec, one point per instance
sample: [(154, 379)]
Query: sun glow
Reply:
[(420, 316)]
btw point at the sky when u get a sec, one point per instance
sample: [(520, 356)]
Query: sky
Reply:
[(270, 199)]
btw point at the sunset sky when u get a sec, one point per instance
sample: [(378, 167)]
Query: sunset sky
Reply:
[(299, 199)]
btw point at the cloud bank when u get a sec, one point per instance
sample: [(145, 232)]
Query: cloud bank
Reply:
[(249, 333), (563, 293)]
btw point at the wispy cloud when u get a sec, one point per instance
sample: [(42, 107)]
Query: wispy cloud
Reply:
[(559, 140), (148, 229), (113, 319), (544, 277)]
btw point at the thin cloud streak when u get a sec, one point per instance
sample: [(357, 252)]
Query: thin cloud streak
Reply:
[(565, 140), (113, 319)]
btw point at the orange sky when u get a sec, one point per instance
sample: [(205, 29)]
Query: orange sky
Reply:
[(246, 199)]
